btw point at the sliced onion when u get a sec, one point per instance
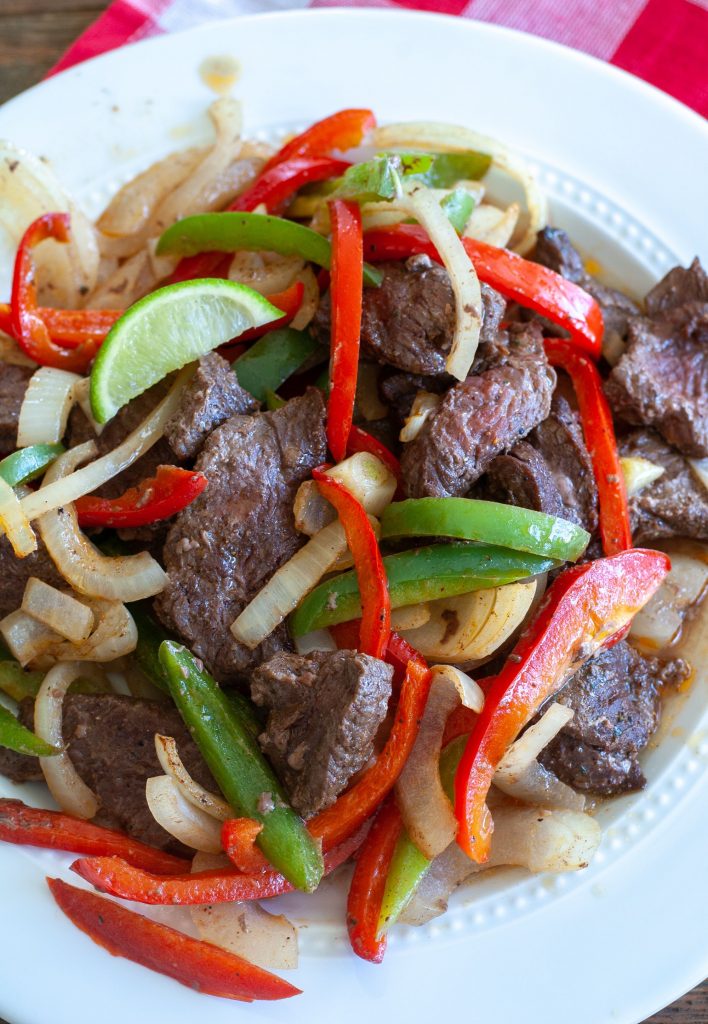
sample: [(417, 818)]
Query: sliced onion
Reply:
[(120, 578), (10, 352), (520, 775), (426, 810), (60, 612), (638, 473), (424, 405), (368, 403), (14, 523), (450, 138), (310, 300), (114, 636), (528, 837), (46, 406), (700, 470), (659, 622), (82, 393), (463, 278), (412, 616), (68, 789), (489, 224), (362, 474), (172, 765), (266, 272), (26, 638), (317, 640), (65, 489), (180, 818), (127, 283)]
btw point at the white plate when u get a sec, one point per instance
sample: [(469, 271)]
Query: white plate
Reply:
[(625, 168)]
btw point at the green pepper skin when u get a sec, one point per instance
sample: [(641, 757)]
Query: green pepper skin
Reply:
[(17, 682), (233, 232), (240, 769), (28, 463), (273, 400), (272, 359), (15, 736), (508, 526), (425, 574), (458, 207)]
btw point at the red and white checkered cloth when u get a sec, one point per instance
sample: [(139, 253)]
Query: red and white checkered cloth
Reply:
[(663, 41)]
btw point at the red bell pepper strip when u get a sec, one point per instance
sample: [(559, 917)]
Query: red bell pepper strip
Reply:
[(198, 965), (118, 878), (530, 284), (370, 572), (32, 826), (355, 806), (28, 329), (158, 497), (599, 434), (346, 292), (277, 184), (584, 610), (361, 441), (238, 838), (68, 327), (369, 881), (340, 131)]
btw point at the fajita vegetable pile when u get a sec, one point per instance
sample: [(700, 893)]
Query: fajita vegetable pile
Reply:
[(323, 474)]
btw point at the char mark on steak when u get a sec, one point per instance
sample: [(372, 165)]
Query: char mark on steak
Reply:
[(111, 742), (616, 702), (480, 418), (324, 711), (224, 547), (661, 380), (673, 505), (13, 384), (212, 396)]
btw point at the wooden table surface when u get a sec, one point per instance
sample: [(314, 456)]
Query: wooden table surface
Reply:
[(33, 35)]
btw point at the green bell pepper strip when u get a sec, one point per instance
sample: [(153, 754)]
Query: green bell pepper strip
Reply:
[(446, 169), (15, 736), (508, 526), (28, 463), (18, 683), (273, 400), (458, 207), (240, 769), (272, 359), (234, 232), (408, 865), (425, 574)]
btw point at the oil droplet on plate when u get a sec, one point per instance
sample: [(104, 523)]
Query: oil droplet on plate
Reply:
[(220, 74)]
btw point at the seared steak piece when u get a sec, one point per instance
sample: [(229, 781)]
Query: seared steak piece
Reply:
[(555, 250), (409, 321), (398, 390), (661, 381), (521, 477), (674, 505), (13, 384), (14, 573), (212, 396), (616, 700), (111, 741), (480, 418), (324, 711), (227, 544)]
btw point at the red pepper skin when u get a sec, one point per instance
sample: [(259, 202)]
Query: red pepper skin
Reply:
[(361, 441), (599, 434), (527, 283), (340, 131), (370, 572), (28, 329), (238, 838), (369, 881), (32, 826), (118, 878), (584, 610), (276, 185), (156, 498), (68, 327), (198, 965), (355, 806), (346, 292)]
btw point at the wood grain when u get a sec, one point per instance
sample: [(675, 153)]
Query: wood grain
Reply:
[(33, 35)]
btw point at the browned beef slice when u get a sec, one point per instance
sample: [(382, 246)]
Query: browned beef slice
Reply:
[(409, 321), (211, 397), (555, 250), (521, 477), (661, 380), (14, 573), (398, 390), (480, 418), (616, 700), (324, 711), (227, 544), (674, 505), (111, 741), (13, 384)]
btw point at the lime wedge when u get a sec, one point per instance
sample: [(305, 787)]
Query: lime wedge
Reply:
[(166, 330)]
